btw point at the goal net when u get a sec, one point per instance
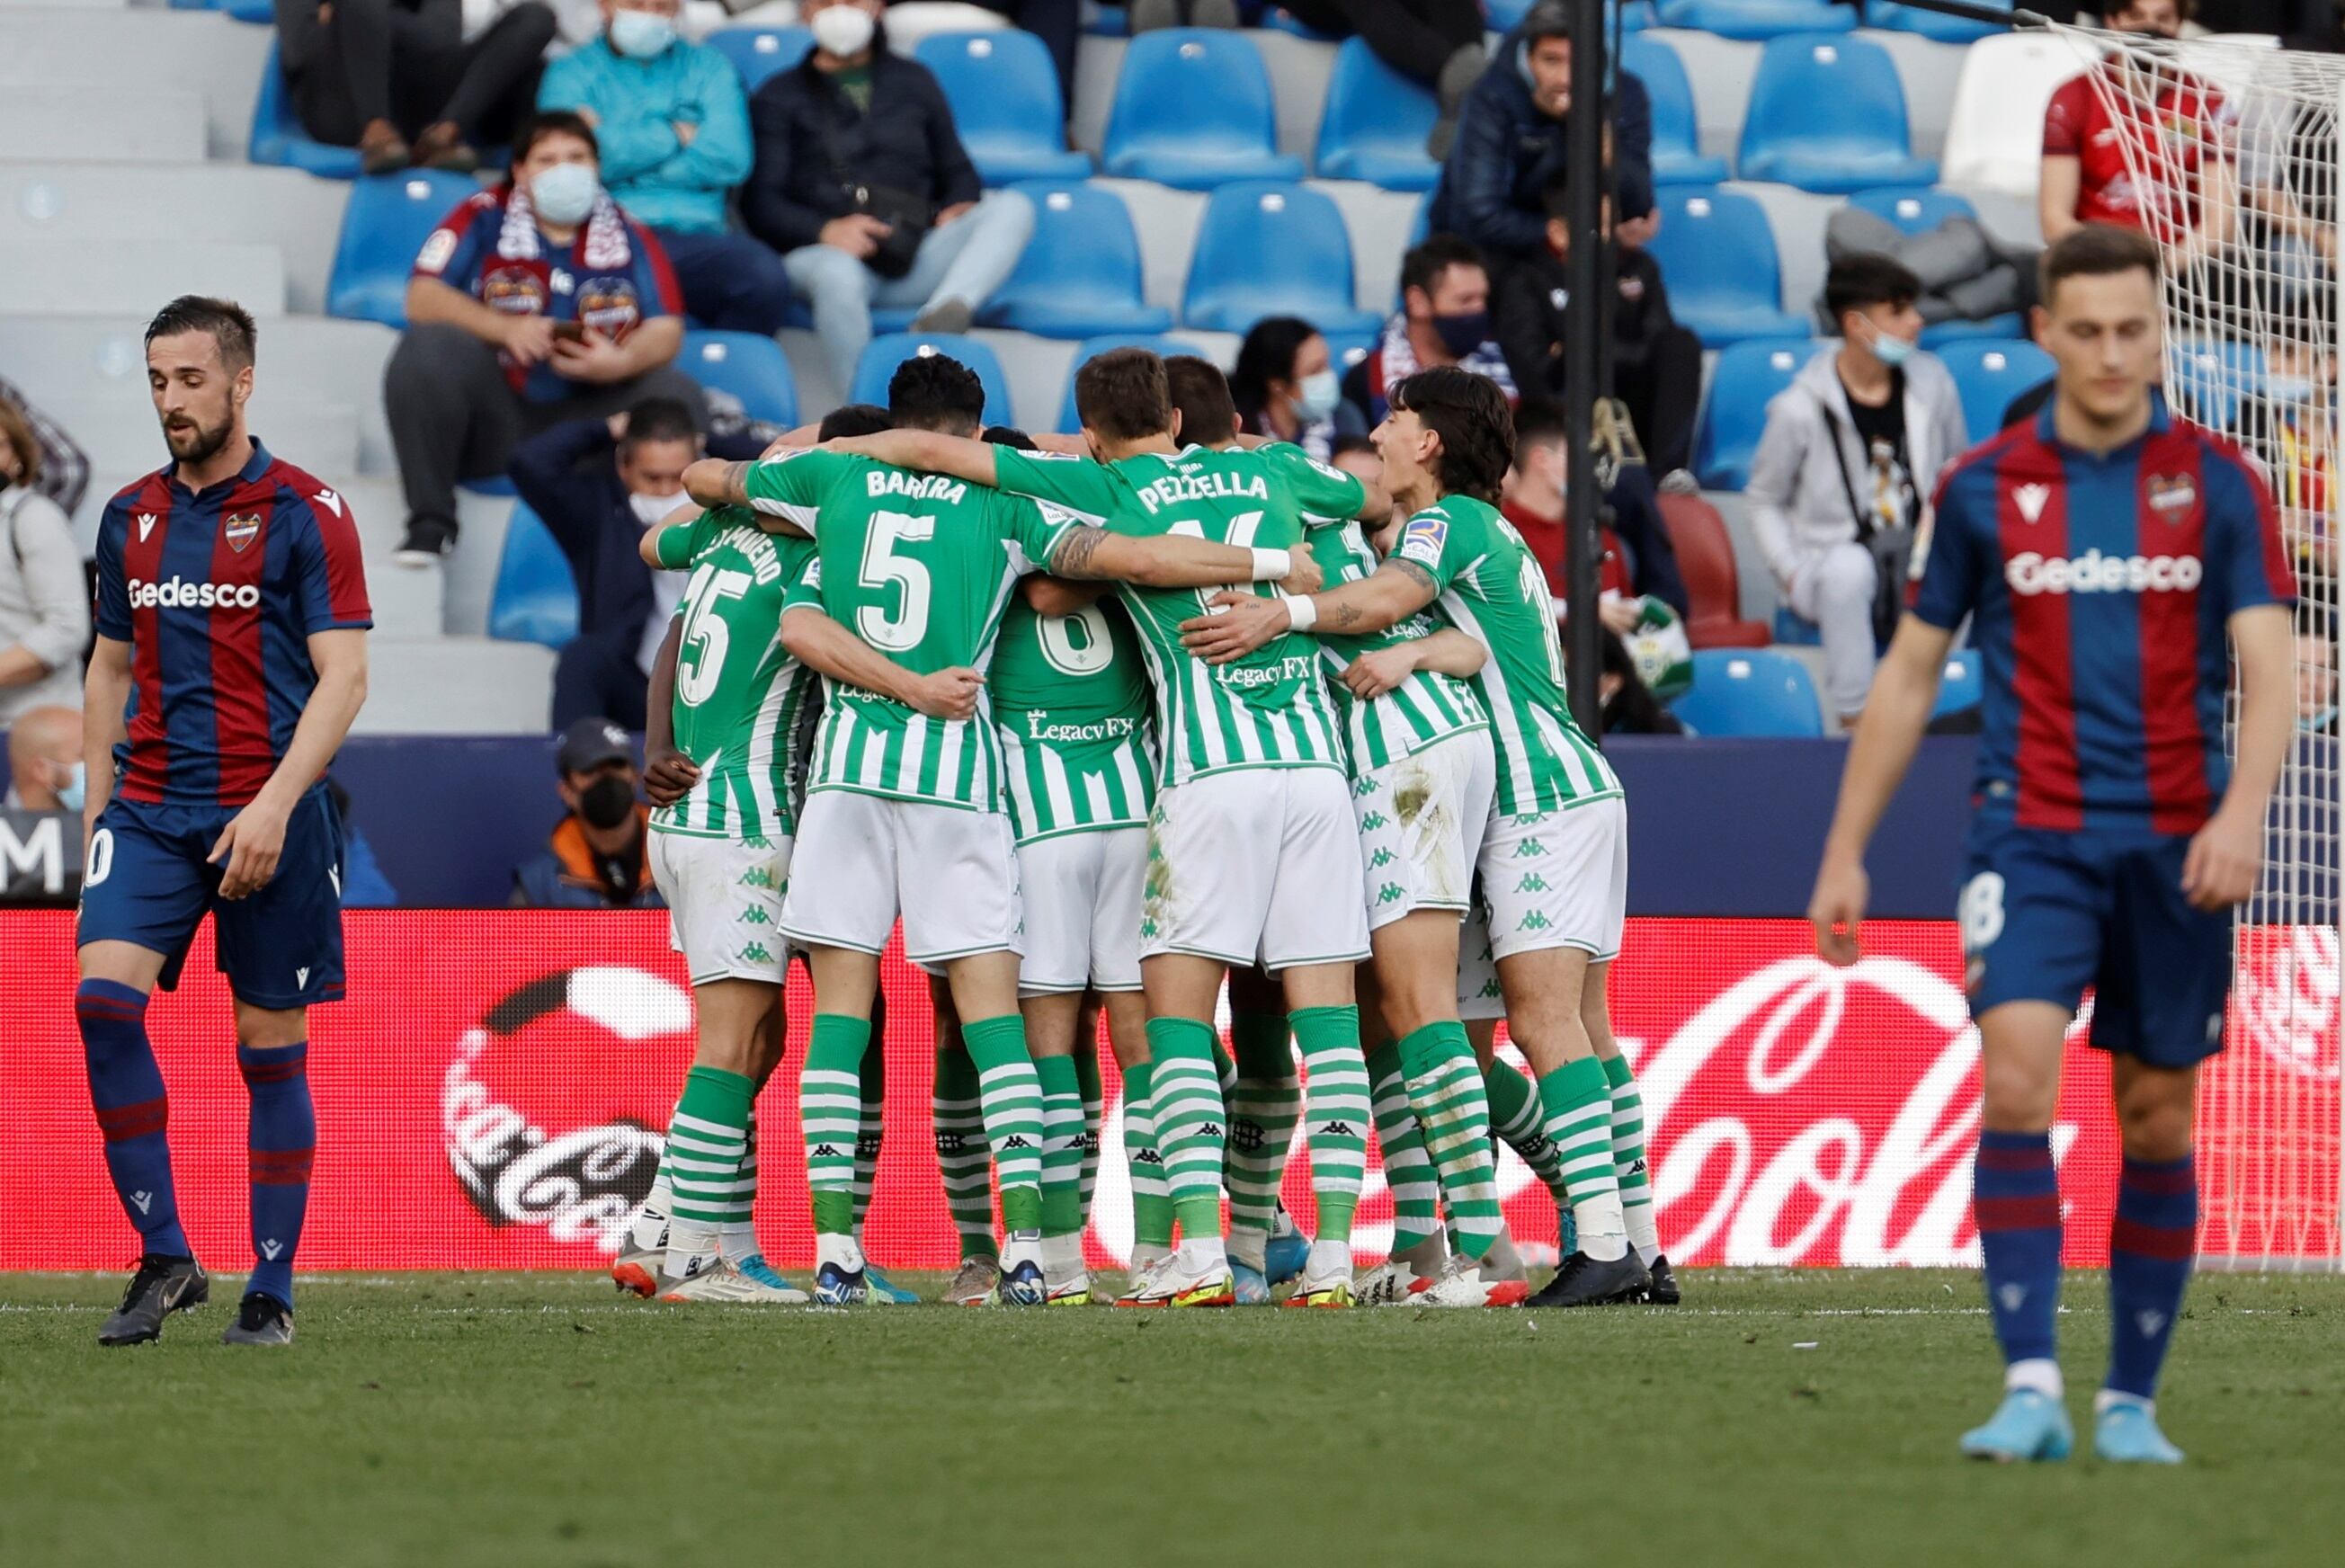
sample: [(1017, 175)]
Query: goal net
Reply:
[(2231, 149)]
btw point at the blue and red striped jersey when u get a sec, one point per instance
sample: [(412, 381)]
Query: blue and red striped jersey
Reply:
[(2100, 589), (218, 592)]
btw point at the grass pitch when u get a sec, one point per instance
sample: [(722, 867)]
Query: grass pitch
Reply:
[(519, 1420)]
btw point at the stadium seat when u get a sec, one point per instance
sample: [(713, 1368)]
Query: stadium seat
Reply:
[(1934, 25), (750, 366), (1092, 348), (761, 53), (1912, 211), (1506, 15), (1995, 130), (1828, 114), (1717, 250), (1756, 19), (536, 598), (1271, 249), (884, 354), (1794, 630), (1677, 144), (386, 223), (1705, 553), (1959, 684), (278, 137), (1376, 124), (1940, 335), (1745, 380), (1989, 373), (1750, 691), (1192, 110), (1005, 100), (1080, 276), (2207, 377), (259, 12)]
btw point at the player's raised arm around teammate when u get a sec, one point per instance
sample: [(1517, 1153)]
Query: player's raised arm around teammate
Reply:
[(1447, 651)]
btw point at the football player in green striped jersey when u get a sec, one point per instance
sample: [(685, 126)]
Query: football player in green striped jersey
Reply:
[(904, 814), (1554, 856), (1254, 852)]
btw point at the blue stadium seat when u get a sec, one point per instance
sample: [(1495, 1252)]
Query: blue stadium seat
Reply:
[(1989, 373), (1677, 144), (1717, 251), (748, 365), (1939, 334), (1913, 211), (884, 354), (1271, 249), (1829, 115), (1506, 15), (1376, 124), (383, 226), (1794, 631), (2210, 375), (1756, 19), (278, 137), (1108, 22), (759, 53), (1005, 100), (1092, 348), (1735, 412), (1192, 109), (536, 598), (1750, 691), (1080, 276), (1935, 25), (1959, 685), (260, 13)]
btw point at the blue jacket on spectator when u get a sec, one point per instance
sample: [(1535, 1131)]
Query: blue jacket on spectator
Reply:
[(811, 139), (637, 105), (1505, 150)]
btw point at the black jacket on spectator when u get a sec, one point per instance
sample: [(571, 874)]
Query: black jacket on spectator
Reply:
[(1527, 312), (1505, 149), (807, 131)]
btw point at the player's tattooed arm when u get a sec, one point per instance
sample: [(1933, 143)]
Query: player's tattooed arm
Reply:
[(1172, 561), (1237, 624), (712, 482), (930, 451), (826, 647)]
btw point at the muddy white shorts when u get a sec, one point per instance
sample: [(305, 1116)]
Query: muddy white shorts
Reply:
[(1421, 822), (1256, 865), (725, 903), (1558, 879), (864, 859)]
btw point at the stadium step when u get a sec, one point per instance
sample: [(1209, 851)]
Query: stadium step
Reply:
[(122, 436), (165, 126), (122, 54), (68, 276), (455, 685), (105, 204)]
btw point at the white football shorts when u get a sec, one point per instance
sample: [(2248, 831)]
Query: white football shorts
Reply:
[(864, 859), (725, 903), (1256, 865), (1082, 911)]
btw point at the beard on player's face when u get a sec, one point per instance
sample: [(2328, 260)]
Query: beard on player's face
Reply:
[(193, 442)]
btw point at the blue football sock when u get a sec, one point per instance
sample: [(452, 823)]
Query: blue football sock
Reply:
[(283, 1137), (2150, 1246), (134, 1112), (2017, 1201)]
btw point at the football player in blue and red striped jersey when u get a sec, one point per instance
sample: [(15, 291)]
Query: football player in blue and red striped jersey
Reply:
[(2114, 562), (232, 658)]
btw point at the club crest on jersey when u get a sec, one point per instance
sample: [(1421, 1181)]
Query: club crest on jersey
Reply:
[(2171, 499), (241, 529), (609, 305)]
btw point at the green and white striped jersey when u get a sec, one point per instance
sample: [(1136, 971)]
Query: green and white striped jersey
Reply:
[(1493, 590), (1421, 710), (1269, 709), (739, 695), (1071, 705), (921, 567)]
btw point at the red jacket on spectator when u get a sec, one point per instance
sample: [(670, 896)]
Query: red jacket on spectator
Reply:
[(2172, 138)]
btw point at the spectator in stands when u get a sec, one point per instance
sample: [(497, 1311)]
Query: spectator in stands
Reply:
[(1436, 42), (63, 472), (44, 597), (1153, 15), (504, 341), (594, 858), (1285, 386), (1510, 141), (1357, 456), (44, 766), (597, 484), (364, 883), (398, 79), (1639, 557), (1628, 705), (1840, 483), (673, 122), (862, 183), (1443, 319), (2178, 130), (1059, 24), (1656, 363)]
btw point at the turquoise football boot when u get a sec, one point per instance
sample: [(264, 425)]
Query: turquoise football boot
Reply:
[(2027, 1425), (2125, 1432)]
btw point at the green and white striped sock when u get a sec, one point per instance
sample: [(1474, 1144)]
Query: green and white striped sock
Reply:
[(1087, 1080), (1337, 1113), (1151, 1200), (1629, 1159), (1265, 1102), (706, 1137), (1010, 1097), (871, 1129), (831, 1109), (1579, 1119), (963, 1158), (1408, 1172), (1062, 1146), (1186, 1096), (738, 1237), (1517, 1117), (1445, 1086)]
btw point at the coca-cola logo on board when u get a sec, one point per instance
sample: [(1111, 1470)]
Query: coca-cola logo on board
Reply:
[(2285, 996)]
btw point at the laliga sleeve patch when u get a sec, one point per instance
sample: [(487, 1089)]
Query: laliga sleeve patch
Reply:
[(437, 251), (1424, 538)]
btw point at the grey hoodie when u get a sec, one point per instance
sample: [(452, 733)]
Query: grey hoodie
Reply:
[(1799, 505)]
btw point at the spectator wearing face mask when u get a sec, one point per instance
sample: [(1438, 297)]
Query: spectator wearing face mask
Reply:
[(597, 484), (532, 303), (673, 123), (1445, 320), (44, 766), (1285, 386), (43, 596), (398, 79), (594, 858)]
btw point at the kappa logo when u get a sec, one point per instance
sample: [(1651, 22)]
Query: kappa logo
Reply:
[(755, 916), (1391, 892), (1015, 1140), (1148, 1157), (1340, 1129), (145, 525), (1363, 788), (1529, 849), (1535, 921), (145, 1200), (755, 953), (2031, 499), (242, 530), (824, 1152), (1374, 821), (755, 876), (1380, 859), (269, 1249), (1533, 882), (301, 975), (1212, 1129)]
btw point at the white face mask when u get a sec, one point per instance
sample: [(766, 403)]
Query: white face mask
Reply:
[(844, 31), (650, 509), (565, 193)]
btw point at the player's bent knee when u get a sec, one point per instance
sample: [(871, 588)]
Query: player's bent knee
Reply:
[(270, 1028)]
